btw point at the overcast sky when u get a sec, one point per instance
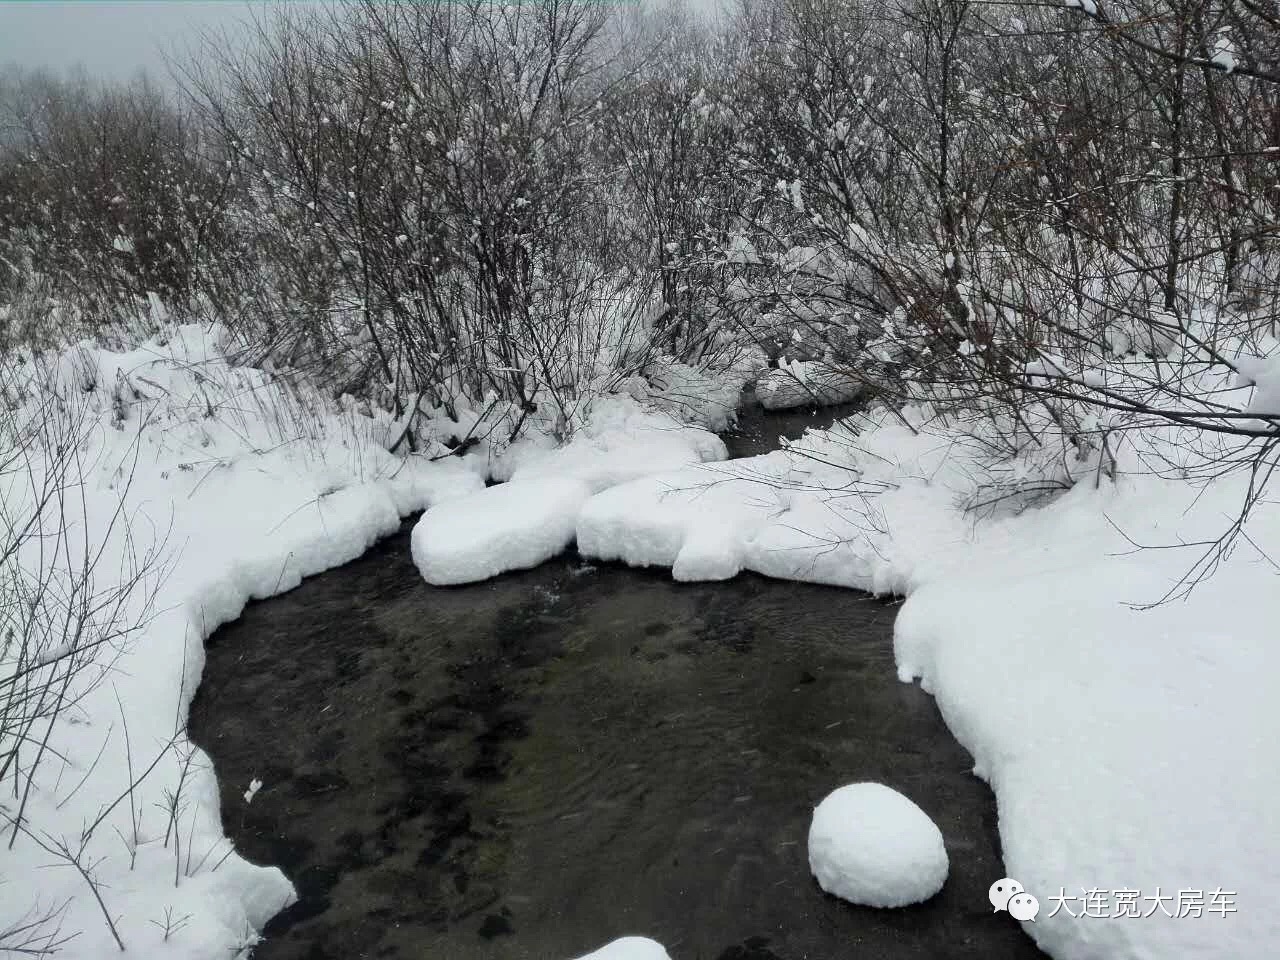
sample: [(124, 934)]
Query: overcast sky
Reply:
[(114, 38), (109, 37)]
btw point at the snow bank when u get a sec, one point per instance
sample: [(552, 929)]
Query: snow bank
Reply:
[(807, 383), (870, 845), (797, 514), (703, 397), (629, 948), (1127, 747), (508, 527), (533, 516), (242, 492)]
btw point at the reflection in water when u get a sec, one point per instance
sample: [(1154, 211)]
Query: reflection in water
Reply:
[(530, 767)]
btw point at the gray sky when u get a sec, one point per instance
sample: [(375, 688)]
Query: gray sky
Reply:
[(115, 38), (111, 38)]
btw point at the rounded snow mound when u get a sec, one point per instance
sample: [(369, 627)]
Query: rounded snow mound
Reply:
[(629, 948), (870, 845)]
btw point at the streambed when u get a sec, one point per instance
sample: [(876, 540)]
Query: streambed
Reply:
[(527, 768)]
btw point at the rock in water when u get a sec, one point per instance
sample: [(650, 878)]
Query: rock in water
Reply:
[(870, 845)]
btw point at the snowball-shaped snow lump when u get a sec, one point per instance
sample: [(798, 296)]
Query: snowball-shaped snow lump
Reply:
[(869, 844), (629, 948)]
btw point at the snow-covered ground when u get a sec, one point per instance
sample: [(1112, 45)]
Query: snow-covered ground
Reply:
[(1128, 748)]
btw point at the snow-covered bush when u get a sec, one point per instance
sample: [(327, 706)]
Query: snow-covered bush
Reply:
[(948, 211), (424, 174), (481, 217)]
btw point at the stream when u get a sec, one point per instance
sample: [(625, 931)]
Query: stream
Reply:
[(527, 768)]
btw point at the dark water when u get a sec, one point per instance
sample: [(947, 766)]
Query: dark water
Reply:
[(759, 430), (530, 767)]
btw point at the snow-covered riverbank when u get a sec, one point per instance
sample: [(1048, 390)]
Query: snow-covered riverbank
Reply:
[(1127, 748), (236, 500)]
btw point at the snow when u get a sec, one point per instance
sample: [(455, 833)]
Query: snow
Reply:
[(807, 260), (794, 514), (1125, 746), (508, 527), (870, 845), (629, 948), (1262, 375), (703, 398), (1224, 53), (807, 383), (254, 786), (533, 516), (740, 251)]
